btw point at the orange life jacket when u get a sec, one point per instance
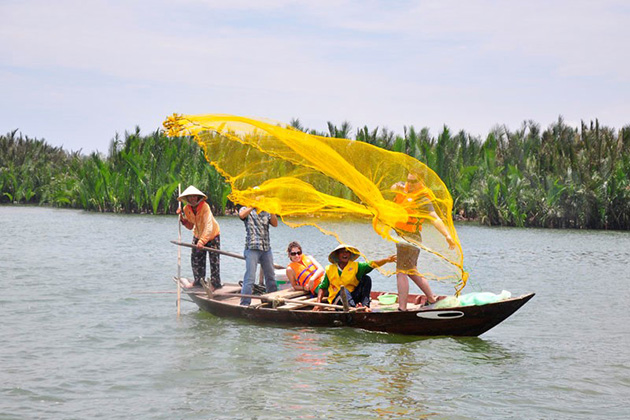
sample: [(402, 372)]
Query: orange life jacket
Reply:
[(410, 200), (304, 270)]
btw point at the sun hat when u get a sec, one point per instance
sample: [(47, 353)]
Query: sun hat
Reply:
[(191, 191), (332, 257)]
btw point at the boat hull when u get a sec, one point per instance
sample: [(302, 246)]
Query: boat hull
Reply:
[(459, 321)]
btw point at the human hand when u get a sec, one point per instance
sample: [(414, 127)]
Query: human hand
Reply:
[(451, 242), (398, 186), (199, 245), (179, 210)]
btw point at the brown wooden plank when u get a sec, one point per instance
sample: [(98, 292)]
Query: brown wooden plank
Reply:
[(295, 305)]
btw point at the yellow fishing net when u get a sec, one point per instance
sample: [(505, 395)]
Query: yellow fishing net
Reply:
[(330, 183)]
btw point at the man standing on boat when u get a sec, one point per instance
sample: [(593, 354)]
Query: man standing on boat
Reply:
[(414, 196), (352, 275), (206, 233), (257, 249)]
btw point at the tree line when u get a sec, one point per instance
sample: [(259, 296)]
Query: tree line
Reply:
[(560, 177)]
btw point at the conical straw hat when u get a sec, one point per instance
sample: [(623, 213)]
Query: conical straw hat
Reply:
[(332, 257), (191, 191)]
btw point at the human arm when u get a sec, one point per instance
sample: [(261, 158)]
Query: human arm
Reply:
[(244, 212), (317, 274), (323, 285), (379, 263), (273, 220), (399, 186), (321, 290), (292, 278), (207, 225), (367, 267), (320, 297), (441, 227), (183, 220)]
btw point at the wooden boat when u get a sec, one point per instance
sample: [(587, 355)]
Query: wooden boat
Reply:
[(294, 308)]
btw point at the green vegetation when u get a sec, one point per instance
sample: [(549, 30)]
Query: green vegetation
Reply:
[(559, 177), (139, 175)]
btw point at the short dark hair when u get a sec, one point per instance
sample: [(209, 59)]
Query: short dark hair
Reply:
[(294, 244)]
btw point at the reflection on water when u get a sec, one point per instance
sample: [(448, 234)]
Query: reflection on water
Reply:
[(75, 337), (394, 380), (484, 350), (304, 344)]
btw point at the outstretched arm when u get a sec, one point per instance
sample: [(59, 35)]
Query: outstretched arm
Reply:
[(441, 227), (378, 263)]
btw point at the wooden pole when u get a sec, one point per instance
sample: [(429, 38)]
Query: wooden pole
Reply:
[(344, 299), (179, 251), (219, 251)]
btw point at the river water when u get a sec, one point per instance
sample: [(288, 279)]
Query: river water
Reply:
[(81, 339)]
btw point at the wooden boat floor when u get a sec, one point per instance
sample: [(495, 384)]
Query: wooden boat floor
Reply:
[(415, 301)]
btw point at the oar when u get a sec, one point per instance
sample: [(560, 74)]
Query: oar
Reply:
[(344, 299), (286, 300), (218, 251), (179, 250)]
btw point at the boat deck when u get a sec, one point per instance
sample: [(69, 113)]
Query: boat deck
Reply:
[(290, 307), (228, 289)]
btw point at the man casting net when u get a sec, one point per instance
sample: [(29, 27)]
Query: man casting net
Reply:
[(330, 183)]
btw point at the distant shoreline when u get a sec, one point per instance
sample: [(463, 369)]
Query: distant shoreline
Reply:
[(457, 221)]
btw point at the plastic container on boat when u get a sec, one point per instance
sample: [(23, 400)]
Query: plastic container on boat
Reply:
[(387, 299)]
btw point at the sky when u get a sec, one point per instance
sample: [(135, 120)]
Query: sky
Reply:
[(78, 72)]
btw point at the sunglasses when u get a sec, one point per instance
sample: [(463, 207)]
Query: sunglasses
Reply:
[(412, 181), (293, 254)]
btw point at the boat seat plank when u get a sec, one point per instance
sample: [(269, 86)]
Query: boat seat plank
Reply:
[(230, 288), (294, 305), (287, 294)]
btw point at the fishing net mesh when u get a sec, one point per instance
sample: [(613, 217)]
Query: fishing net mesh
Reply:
[(332, 183)]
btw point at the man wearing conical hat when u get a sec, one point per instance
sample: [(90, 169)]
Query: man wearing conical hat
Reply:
[(206, 233), (346, 271)]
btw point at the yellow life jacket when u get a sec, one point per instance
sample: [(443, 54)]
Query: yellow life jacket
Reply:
[(348, 278), (304, 270)]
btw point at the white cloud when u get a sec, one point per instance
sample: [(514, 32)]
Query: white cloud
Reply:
[(108, 65)]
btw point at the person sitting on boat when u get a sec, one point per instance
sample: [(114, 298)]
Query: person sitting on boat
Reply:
[(197, 216), (413, 195), (346, 271), (304, 272)]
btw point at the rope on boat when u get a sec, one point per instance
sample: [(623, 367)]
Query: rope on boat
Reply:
[(277, 301)]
